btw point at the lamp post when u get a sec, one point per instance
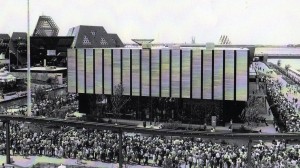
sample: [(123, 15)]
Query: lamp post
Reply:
[(28, 63)]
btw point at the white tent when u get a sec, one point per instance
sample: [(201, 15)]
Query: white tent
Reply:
[(62, 166)]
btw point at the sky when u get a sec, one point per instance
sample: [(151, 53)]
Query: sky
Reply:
[(274, 22)]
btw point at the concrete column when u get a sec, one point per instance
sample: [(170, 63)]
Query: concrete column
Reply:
[(249, 152), (7, 143), (120, 149)]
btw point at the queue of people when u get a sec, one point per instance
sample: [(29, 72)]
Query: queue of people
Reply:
[(82, 144), (49, 107), (284, 109), (96, 145), (276, 155)]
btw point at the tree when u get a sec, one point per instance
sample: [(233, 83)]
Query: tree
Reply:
[(118, 100), (250, 114), (287, 68), (39, 94), (279, 63)]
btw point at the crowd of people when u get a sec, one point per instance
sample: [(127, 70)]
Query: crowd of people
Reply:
[(287, 110), (51, 106), (276, 154), (103, 146), (55, 106), (98, 145), (284, 109)]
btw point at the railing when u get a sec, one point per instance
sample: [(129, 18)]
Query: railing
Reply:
[(119, 129)]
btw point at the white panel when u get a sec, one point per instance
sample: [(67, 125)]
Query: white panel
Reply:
[(155, 73), (89, 71), (98, 71), (126, 71), (107, 71), (145, 72), (229, 75), (175, 73), (207, 74), (117, 67), (186, 73), (80, 71), (165, 73), (241, 75), (71, 70), (136, 72), (196, 74), (218, 75)]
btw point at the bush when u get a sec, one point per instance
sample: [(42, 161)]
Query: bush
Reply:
[(223, 142)]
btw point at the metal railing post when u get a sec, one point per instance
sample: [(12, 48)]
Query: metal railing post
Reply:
[(249, 152), (7, 142), (120, 149)]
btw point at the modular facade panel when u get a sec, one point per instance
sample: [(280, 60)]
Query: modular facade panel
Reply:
[(126, 72), (218, 74), (207, 74), (135, 72), (241, 75), (98, 71), (162, 74), (155, 73), (72, 70), (117, 67), (175, 73), (186, 73), (165, 73), (80, 71), (145, 72), (196, 70), (89, 71), (107, 71), (229, 75)]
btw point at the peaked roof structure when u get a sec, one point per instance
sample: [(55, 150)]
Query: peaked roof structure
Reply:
[(45, 27), (93, 37)]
